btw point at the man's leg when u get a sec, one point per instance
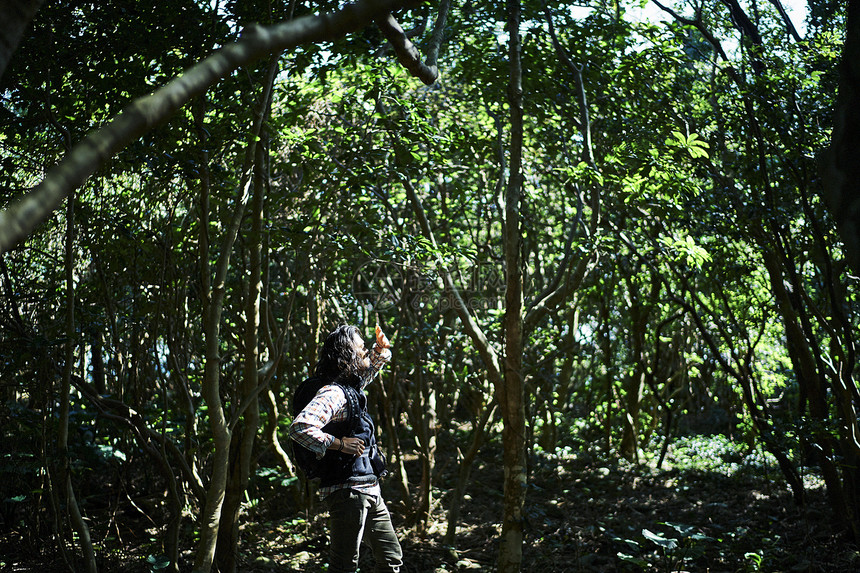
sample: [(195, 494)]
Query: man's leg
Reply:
[(382, 537), (347, 513)]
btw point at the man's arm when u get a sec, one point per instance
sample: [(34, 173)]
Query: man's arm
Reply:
[(328, 405), (379, 357)]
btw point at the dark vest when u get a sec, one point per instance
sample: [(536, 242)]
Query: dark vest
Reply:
[(338, 467)]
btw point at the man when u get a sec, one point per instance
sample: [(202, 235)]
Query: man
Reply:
[(350, 461)]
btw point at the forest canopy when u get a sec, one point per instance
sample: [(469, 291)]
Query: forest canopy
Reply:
[(599, 234)]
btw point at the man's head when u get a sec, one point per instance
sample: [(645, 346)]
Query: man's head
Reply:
[(342, 354)]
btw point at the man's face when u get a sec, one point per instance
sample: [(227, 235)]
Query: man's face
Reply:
[(363, 355)]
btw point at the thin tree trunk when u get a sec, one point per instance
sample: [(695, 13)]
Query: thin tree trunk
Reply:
[(271, 432), (634, 385), (840, 167), (392, 443), (211, 517), (810, 385), (64, 478), (511, 392), (463, 474), (213, 304), (426, 431), (99, 362), (742, 373), (245, 436), (608, 363)]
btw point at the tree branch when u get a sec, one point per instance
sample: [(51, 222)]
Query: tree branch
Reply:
[(697, 24), (558, 290), (119, 411), (14, 19), (587, 151), (438, 33), (407, 53), (142, 115), (786, 20), (485, 349)]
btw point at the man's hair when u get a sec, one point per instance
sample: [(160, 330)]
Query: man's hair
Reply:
[(339, 357)]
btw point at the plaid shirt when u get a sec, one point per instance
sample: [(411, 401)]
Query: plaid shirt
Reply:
[(329, 405)]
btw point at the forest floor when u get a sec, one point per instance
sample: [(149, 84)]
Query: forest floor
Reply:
[(582, 514)]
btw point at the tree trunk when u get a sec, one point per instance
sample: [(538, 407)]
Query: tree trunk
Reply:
[(634, 385), (14, 18), (841, 193), (213, 304), (271, 433), (840, 167), (210, 388), (211, 517), (465, 470), (64, 477), (608, 363), (810, 383), (396, 464), (425, 401), (97, 350), (245, 436), (511, 392)]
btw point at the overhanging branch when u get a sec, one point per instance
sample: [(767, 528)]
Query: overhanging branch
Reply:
[(697, 24), (142, 115), (407, 53)]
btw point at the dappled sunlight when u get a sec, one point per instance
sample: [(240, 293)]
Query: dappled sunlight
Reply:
[(613, 246)]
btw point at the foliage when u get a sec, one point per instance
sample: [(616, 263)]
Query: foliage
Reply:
[(713, 313), (718, 454)]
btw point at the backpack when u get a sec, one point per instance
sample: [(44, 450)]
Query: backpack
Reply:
[(305, 459)]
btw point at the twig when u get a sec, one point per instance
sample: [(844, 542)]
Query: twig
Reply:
[(697, 23)]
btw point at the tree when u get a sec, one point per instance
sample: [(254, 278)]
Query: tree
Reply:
[(97, 149), (144, 114), (623, 216), (840, 188)]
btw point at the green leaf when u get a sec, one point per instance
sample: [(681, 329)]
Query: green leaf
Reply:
[(696, 152), (288, 481), (664, 542), (158, 562), (631, 559), (684, 530)]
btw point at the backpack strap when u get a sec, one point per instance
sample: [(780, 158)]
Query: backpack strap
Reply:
[(353, 406)]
